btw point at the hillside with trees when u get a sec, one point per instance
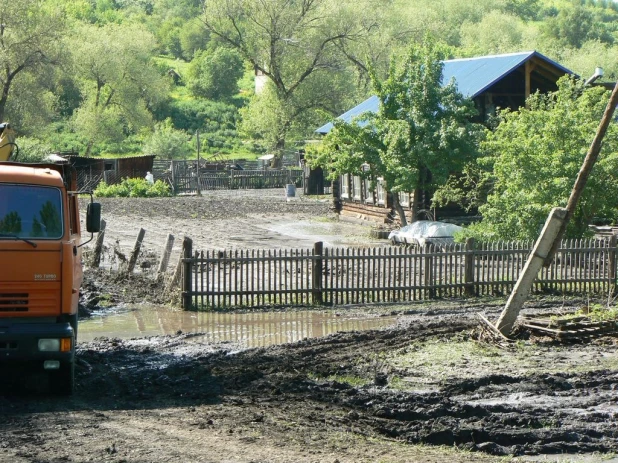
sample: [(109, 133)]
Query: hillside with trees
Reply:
[(120, 77)]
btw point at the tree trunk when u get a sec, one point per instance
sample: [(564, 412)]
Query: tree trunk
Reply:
[(4, 97), (416, 203), (89, 148), (399, 208)]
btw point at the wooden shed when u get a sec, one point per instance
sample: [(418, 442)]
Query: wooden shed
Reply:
[(90, 171)]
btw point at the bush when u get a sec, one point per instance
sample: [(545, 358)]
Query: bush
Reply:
[(167, 143), (215, 120), (215, 74), (133, 188)]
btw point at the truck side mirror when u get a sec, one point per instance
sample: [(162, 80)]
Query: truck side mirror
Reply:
[(93, 217)]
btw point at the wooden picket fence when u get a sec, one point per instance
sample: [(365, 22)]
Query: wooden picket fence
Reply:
[(336, 276), (185, 178)]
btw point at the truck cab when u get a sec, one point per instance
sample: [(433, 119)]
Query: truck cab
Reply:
[(41, 268)]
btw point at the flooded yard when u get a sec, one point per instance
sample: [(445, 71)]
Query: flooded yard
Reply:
[(245, 330)]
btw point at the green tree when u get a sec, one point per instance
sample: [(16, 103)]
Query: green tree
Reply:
[(11, 223), (290, 42), (119, 83), (270, 119), (421, 134), (193, 37), (214, 74), (30, 32), (575, 25), (167, 142), (496, 33), (531, 160), (50, 223), (525, 9)]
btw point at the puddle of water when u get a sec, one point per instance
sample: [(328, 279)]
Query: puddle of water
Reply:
[(257, 329), (555, 401), (331, 233)]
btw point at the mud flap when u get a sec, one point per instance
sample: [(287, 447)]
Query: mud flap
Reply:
[(62, 381)]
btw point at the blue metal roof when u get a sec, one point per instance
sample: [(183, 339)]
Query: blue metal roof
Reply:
[(472, 76)]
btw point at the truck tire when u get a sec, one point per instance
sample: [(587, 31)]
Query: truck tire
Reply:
[(62, 381)]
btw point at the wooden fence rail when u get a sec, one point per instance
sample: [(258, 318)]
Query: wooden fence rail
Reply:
[(183, 178), (335, 276)]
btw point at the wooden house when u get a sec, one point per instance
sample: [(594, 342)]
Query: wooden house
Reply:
[(499, 81)]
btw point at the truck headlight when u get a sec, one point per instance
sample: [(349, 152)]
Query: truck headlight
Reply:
[(49, 345)]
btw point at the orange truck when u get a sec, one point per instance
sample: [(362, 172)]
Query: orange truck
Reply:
[(40, 267)]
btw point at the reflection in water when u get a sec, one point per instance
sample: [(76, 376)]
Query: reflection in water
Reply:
[(257, 329)]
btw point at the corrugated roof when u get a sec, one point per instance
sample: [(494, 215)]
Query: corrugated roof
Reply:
[(472, 76)]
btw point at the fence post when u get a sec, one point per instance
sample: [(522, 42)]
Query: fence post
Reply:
[(430, 292), (316, 273), (612, 262), (187, 252), (469, 286), (136, 248), (173, 169), (98, 247), (165, 258)]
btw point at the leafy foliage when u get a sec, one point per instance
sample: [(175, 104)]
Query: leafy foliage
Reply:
[(80, 74), (531, 160), (167, 142), (421, 133), (291, 44), (134, 188), (215, 74), (215, 120), (31, 150), (118, 83)]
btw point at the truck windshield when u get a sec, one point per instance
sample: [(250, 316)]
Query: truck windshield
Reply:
[(28, 211)]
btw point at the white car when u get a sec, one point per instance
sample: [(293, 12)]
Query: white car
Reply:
[(425, 231)]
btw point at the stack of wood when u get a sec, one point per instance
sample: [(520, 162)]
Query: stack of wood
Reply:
[(569, 329)]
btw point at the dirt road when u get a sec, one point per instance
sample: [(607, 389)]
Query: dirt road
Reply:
[(421, 391)]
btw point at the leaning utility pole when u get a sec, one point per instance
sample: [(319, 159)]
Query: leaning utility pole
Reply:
[(555, 226), (197, 135)]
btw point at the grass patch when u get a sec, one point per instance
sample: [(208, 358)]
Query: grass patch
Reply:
[(433, 362)]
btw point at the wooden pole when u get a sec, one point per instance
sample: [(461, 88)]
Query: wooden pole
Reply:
[(469, 268), (165, 257), (585, 170), (177, 276), (136, 249), (530, 271), (173, 169), (316, 273), (98, 247), (187, 252), (612, 262), (197, 135)]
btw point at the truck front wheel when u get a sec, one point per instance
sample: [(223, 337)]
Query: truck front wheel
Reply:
[(62, 381)]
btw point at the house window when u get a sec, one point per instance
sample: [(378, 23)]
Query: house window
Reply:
[(110, 164), (356, 182), (381, 192), (345, 186), (404, 199)]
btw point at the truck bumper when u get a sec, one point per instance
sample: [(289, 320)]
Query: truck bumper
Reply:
[(19, 342)]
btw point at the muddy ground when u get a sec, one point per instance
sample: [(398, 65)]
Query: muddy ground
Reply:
[(423, 390)]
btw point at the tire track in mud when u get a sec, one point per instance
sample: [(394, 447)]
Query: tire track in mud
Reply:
[(485, 416), (499, 413)]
